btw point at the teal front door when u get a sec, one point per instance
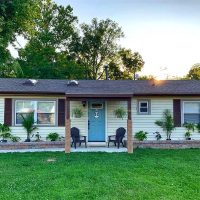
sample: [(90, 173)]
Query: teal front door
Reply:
[(96, 121)]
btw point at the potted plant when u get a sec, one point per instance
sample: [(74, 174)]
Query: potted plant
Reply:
[(53, 136), (158, 135), (167, 124), (29, 125), (190, 127), (120, 113), (5, 132), (77, 112), (141, 135)]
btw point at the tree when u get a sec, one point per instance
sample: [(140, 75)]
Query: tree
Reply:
[(145, 77), (16, 18), (167, 124), (96, 46), (46, 54), (194, 72), (132, 61)]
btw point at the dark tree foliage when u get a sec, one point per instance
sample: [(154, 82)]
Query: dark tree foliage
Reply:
[(96, 46), (16, 18), (46, 55), (194, 72)]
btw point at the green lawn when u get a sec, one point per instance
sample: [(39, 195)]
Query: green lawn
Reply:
[(146, 174)]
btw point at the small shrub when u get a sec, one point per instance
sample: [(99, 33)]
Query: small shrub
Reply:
[(190, 127), (120, 113), (37, 137), (5, 132), (198, 127), (141, 135), (167, 124), (15, 138), (53, 136), (158, 135), (77, 112)]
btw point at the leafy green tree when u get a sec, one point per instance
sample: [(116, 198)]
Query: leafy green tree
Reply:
[(194, 72), (46, 55), (96, 46), (132, 62), (16, 18)]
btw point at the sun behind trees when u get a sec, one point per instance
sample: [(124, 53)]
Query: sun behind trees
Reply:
[(58, 47)]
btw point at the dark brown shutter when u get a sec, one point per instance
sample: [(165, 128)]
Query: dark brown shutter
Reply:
[(61, 112), (177, 112), (8, 112)]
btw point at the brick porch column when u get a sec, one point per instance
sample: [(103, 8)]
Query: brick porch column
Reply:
[(129, 129), (67, 128)]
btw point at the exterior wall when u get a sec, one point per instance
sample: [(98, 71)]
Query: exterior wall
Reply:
[(112, 122), (147, 122), (1, 110), (44, 131), (19, 130), (80, 123), (139, 122)]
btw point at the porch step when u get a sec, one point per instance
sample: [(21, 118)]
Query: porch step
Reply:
[(96, 144)]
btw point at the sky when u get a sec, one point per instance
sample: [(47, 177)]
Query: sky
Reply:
[(165, 32)]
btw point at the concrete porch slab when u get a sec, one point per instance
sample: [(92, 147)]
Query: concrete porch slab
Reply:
[(79, 149)]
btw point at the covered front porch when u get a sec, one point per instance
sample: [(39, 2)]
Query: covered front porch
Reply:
[(98, 122)]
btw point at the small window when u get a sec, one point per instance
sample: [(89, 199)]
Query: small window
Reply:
[(143, 107), (97, 106)]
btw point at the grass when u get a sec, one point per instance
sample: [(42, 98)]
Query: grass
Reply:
[(146, 174)]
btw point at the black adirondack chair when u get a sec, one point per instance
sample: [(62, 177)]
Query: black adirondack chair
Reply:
[(118, 138), (77, 138)]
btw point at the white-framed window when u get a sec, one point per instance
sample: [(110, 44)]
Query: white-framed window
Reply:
[(44, 111), (191, 112), (143, 107)]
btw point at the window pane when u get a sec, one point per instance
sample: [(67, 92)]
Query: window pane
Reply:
[(143, 110), (143, 104), (46, 118), (191, 107), (46, 107), (24, 106), (19, 118), (192, 118)]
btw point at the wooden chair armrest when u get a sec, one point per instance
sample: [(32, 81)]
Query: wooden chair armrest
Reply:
[(111, 136)]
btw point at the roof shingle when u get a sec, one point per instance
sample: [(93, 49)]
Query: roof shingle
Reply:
[(98, 87)]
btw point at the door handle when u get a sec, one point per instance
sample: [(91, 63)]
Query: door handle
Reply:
[(88, 124)]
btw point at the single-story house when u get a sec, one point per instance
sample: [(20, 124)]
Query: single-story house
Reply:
[(53, 102)]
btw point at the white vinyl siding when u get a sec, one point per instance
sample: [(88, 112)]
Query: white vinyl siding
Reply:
[(1, 110), (112, 121), (158, 105), (139, 122), (80, 123)]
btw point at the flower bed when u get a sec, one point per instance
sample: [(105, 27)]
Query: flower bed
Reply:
[(166, 144), (31, 145)]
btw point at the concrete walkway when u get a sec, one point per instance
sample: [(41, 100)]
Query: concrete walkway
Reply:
[(80, 149)]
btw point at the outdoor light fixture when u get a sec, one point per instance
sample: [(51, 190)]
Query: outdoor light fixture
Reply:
[(84, 103)]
